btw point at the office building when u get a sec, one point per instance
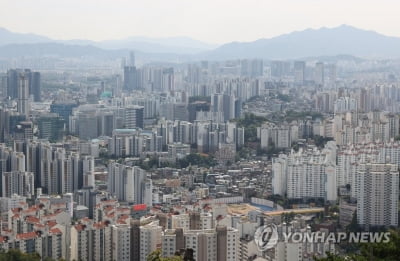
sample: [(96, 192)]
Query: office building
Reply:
[(63, 109), (51, 127), (133, 117)]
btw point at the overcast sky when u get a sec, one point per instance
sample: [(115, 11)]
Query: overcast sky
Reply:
[(213, 21)]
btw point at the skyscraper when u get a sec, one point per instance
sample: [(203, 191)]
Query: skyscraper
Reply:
[(12, 83), (319, 73), (167, 80), (224, 103), (23, 105), (13, 79), (3, 85), (35, 86), (299, 72), (132, 59), (130, 82)]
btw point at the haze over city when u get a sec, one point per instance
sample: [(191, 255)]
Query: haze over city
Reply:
[(210, 21)]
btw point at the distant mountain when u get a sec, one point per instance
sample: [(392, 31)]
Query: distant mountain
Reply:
[(178, 45), (310, 43), (335, 58), (7, 37), (323, 42), (62, 50), (53, 49)]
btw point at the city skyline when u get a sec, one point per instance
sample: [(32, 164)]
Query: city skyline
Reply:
[(207, 21), (211, 131)]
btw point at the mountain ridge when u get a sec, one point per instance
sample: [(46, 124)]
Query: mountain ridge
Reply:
[(179, 45), (341, 40), (324, 41)]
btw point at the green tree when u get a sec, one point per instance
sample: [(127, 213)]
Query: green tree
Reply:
[(353, 226), (250, 122), (321, 141), (283, 97), (156, 256), (331, 257), (389, 251), (17, 255), (197, 159)]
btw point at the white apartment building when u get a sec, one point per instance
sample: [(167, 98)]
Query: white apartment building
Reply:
[(150, 239), (378, 193), (281, 136), (91, 241), (308, 173), (349, 157), (51, 243), (232, 244), (203, 243), (129, 183), (168, 243), (180, 221), (345, 104), (18, 182), (121, 238), (206, 221), (279, 179), (288, 251), (221, 243)]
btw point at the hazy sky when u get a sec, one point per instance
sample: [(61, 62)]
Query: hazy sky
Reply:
[(214, 21)]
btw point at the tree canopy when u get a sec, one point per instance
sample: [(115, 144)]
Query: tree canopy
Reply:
[(389, 251), (17, 255), (156, 256)]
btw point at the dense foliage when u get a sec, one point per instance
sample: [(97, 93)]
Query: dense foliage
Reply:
[(17, 255), (156, 256), (250, 122), (321, 141), (372, 251), (283, 97), (197, 159)]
